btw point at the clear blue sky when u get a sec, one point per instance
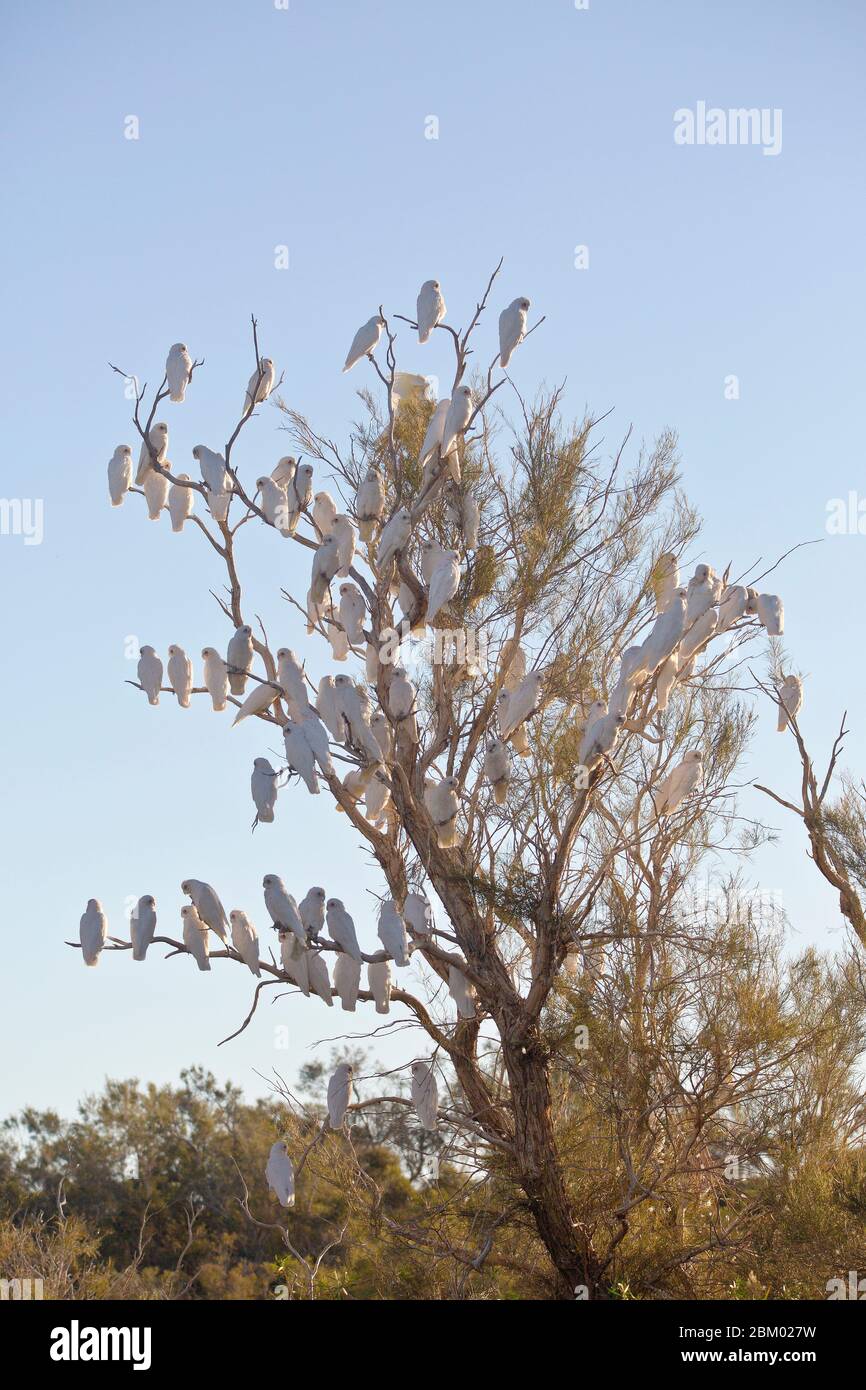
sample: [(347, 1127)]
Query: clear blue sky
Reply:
[(260, 127)]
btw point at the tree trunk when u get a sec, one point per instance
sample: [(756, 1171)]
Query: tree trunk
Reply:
[(540, 1174)]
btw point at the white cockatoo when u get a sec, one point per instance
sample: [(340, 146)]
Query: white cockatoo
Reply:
[(352, 711), (181, 501), (263, 785), (732, 606), (665, 580), (600, 734), (512, 329), (392, 932), (790, 700), (299, 493), (216, 478), (92, 931), (216, 677), (245, 939), (340, 1093), (260, 384), (431, 556), (630, 675), (260, 699), (394, 536), (517, 738), (315, 734), (418, 914), (665, 634), (206, 902), (401, 702), (142, 925), (470, 521), (497, 769), (150, 674), (240, 656), (347, 981), (380, 978), (195, 937), (357, 782), (282, 908), (119, 474), (667, 674), (702, 592), (178, 370), (180, 674), (324, 512), (156, 488), (284, 471), (299, 756), (429, 457), (771, 614), (345, 535), (341, 928), (158, 438), (273, 502), (353, 611), (383, 734), (294, 958), (369, 503), (679, 783), (326, 708), (312, 910), (523, 703), (425, 1094), (462, 992), (430, 308), (444, 583), (377, 799), (443, 805), (280, 1174), (334, 631), (320, 980), (696, 636), (365, 341), (326, 562), (290, 677), (458, 417)]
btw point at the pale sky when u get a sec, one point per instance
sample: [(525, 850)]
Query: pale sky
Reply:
[(260, 127)]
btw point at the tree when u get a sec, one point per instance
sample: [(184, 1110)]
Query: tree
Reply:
[(556, 781)]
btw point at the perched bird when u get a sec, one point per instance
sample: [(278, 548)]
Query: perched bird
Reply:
[(324, 512), (665, 580), (263, 785), (370, 503), (180, 674), (665, 634), (274, 503), (667, 674), (523, 703), (178, 370), (444, 583), (284, 471), (158, 440), (345, 535), (294, 960), (383, 734), (280, 1174), (326, 562), (92, 931), (497, 769), (347, 981), (142, 925), (365, 341), (290, 675), (260, 384), (353, 611), (430, 309), (512, 329), (300, 491), (431, 555), (316, 736), (180, 502), (425, 1094), (418, 914), (732, 606), (207, 904), (156, 488), (195, 937), (443, 805), (216, 677), (771, 614), (356, 783), (462, 992), (395, 534), (458, 417), (790, 700), (517, 738), (340, 1092), (401, 702), (379, 981), (216, 478), (245, 940), (260, 699), (299, 756), (150, 674), (312, 910), (240, 656), (351, 709), (430, 449), (341, 928), (600, 734), (282, 907), (328, 711), (377, 799), (703, 591), (679, 783), (320, 980), (470, 521), (630, 676), (119, 474), (392, 932)]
